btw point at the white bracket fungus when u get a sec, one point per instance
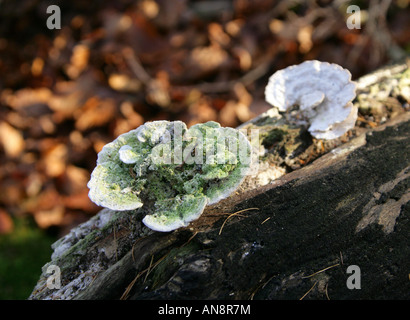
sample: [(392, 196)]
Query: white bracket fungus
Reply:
[(317, 94), (172, 170)]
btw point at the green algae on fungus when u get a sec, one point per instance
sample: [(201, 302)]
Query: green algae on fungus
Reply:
[(174, 170)]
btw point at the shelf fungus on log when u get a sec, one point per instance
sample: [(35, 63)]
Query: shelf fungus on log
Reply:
[(172, 170), (317, 94)]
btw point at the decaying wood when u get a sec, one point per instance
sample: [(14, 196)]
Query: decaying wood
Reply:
[(291, 236)]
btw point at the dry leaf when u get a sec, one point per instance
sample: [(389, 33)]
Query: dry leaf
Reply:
[(11, 139), (204, 60), (78, 61), (48, 218), (23, 98), (244, 57), (158, 90), (94, 113), (227, 116), (124, 83), (54, 160), (305, 38), (218, 35)]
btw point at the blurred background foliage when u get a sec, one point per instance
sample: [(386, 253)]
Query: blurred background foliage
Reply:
[(114, 65), (22, 254)]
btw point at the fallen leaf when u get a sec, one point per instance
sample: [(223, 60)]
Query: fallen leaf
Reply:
[(11, 139), (244, 58), (204, 60), (124, 83), (218, 35), (54, 159), (78, 61), (95, 113), (48, 218)]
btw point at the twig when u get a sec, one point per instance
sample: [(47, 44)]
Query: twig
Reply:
[(116, 244), (125, 294), (149, 269), (309, 290), (189, 240), (327, 295), (132, 249), (256, 290), (223, 86), (214, 87), (233, 214), (136, 66), (261, 286), (320, 271)]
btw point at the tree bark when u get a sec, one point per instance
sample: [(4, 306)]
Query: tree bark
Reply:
[(337, 228)]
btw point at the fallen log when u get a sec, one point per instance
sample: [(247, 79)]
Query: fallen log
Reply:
[(333, 228)]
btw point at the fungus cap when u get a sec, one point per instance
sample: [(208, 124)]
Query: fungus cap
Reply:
[(175, 170), (322, 93)]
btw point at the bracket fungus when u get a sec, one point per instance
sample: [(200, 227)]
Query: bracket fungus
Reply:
[(172, 170), (317, 94)]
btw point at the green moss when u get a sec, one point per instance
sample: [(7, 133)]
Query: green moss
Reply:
[(271, 137)]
